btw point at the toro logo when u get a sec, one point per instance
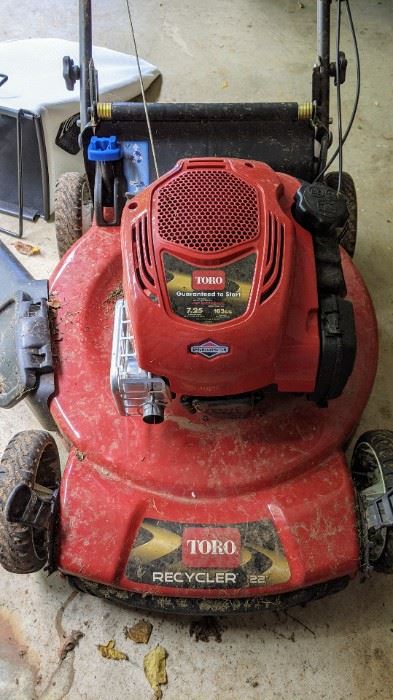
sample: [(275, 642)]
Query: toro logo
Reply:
[(208, 279), (217, 547)]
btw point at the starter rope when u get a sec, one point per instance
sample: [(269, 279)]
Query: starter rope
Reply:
[(153, 150)]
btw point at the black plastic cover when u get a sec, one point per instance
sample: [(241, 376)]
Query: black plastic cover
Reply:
[(322, 212), (319, 209), (330, 276), (67, 136), (338, 348), (25, 345), (26, 369)]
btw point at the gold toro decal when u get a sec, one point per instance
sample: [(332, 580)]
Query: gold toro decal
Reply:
[(181, 555), (210, 295)]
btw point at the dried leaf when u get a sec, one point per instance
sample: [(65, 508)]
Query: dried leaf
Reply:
[(155, 671), (70, 643), (140, 632), (109, 651), (54, 303), (224, 84), (27, 248)]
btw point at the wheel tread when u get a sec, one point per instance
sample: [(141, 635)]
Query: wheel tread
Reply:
[(68, 209), (381, 442), (20, 463)]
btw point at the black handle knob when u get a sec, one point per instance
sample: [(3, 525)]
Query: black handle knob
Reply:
[(71, 72)]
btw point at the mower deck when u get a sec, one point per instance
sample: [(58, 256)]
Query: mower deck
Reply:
[(139, 503)]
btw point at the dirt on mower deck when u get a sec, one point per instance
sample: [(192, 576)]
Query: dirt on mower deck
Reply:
[(114, 295)]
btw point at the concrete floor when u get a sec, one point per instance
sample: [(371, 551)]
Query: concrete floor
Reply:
[(333, 649)]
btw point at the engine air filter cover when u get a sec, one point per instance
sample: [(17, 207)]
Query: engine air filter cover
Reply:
[(207, 210)]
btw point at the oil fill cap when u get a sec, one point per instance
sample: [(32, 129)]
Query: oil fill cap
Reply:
[(319, 209)]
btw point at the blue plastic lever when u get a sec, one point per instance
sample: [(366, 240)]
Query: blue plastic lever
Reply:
[(104, 148)]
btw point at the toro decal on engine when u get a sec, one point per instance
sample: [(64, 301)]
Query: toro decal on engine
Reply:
[(209, 295), (208, 279)]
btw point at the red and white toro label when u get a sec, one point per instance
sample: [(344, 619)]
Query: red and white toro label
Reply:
[(214, 280), (217, 547)]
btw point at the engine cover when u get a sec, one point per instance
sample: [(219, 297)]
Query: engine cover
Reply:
[(220, 281)]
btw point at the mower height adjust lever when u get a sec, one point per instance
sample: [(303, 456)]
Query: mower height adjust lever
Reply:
[(25, 506), (379, 511)]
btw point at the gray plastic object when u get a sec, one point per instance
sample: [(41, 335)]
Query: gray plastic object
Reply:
[(26, 369)]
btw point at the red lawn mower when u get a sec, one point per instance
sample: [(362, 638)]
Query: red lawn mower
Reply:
[(206, 349)]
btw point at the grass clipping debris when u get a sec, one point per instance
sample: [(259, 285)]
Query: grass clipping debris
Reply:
[(27, 248), (154, 665), (109, 651), (114, 295), (140, 632)]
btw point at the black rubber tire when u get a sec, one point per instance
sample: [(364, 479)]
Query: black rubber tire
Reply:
[(371, 446), (72, 198), (348, 239), (31, 457)]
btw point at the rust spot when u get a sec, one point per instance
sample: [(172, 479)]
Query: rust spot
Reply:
[(16, 665)]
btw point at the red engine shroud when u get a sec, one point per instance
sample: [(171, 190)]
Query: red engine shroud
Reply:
[(211, 253)]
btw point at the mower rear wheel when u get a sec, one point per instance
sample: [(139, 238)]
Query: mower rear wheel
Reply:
[(348, 238), (31, 457), (73, 209), (372, 463)]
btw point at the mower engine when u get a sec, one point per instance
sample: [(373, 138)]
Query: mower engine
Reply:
[(232, 284)]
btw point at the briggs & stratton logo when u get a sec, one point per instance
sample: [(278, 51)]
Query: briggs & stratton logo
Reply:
[(209, 349), (208, 279), (211, 547)]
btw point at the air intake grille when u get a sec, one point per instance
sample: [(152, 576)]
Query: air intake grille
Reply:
[(274, 257), (208, 211), (143, 266)]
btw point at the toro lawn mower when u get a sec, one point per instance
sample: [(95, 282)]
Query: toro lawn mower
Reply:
[(206, 348)]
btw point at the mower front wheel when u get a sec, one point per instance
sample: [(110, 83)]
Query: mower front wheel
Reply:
[(30, 458), (73, 209), (372, 466), (349, 234)]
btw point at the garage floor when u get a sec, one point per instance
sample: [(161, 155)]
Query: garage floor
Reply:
[(336, 648)]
